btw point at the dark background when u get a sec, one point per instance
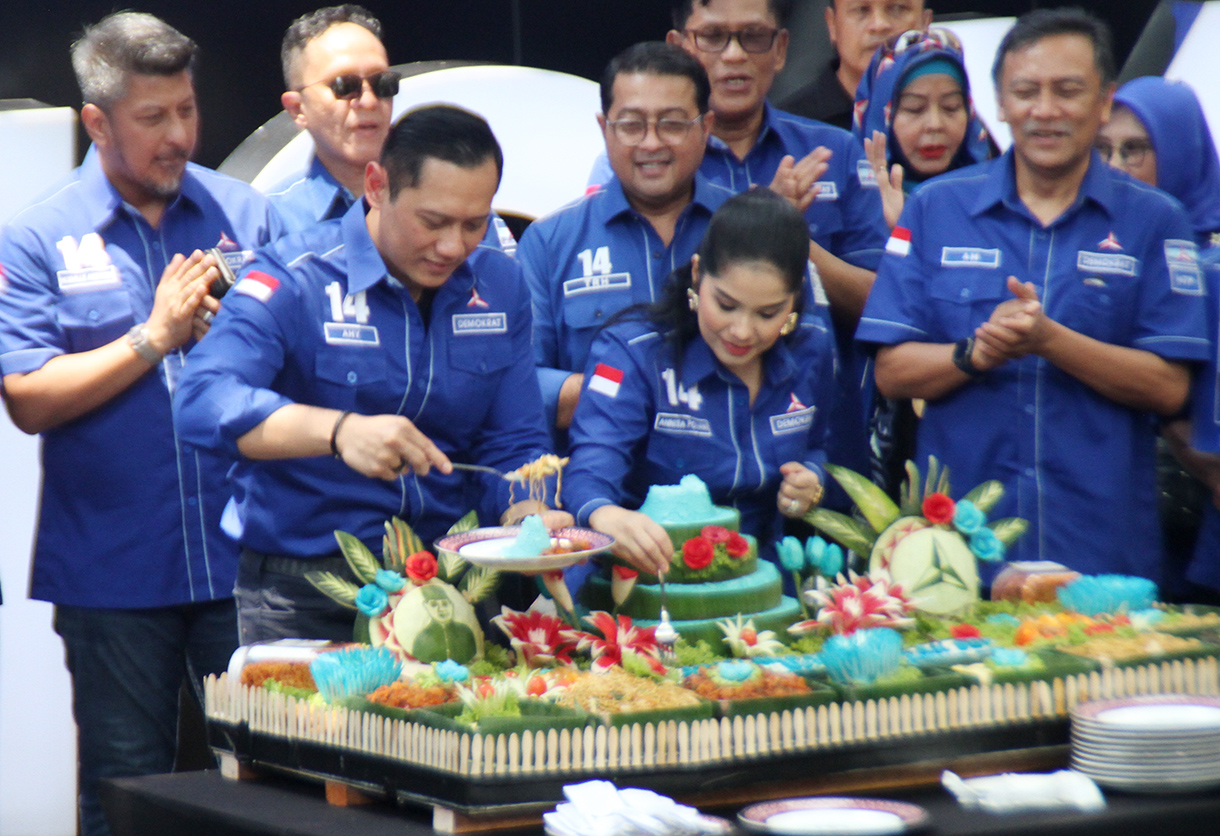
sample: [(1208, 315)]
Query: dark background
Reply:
[(239, 81)]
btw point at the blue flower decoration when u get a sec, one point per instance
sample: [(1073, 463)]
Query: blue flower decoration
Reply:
[(986, 546), (372, 600), (791, 555), (832, 561), (733, 671), (815, 553), (451, 671), (1004, 618), (1009, 657), (389, 581), (967, 518)]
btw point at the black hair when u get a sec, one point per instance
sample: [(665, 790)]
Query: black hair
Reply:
[(656, 58), (309, 26), (781, 10), (1043, 23), (445, 132), (125, 44), (757, 225)]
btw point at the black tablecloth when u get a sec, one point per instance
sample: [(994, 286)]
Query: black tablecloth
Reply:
[(189, 803)]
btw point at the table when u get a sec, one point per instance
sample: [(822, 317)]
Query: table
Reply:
[(204, 803)]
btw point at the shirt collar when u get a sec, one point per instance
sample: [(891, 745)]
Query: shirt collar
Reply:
[(366, 267), (766, 133), (1000, 187), (699, 362), (617, 206), (102, 201)]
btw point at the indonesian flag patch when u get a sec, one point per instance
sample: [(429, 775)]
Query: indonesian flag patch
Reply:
[(900, 241), (256, 284), (606, 379)]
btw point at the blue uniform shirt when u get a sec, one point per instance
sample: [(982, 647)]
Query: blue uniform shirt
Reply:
[(1205, 423), (318, 321), (590, 260), (1119, 266), (129, 515), (641, 422), (306, 199)]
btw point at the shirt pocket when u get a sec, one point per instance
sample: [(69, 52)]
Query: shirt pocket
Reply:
[(481, 354), (585, 313), (351, 378), (1097, 306), (91, 320), (964, 298)]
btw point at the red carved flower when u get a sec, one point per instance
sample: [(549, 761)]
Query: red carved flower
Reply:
[(737, 546), (938, 508), (716, 533), (421, 567), (964, 631), (697, 553)]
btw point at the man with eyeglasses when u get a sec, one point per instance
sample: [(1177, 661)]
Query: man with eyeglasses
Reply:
[(856, 29), (103, 290), (743, 45), (617, 245), (1048, 309), (341, 89)]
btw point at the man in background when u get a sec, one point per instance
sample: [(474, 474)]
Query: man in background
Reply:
[(104, 290), (856, 28)]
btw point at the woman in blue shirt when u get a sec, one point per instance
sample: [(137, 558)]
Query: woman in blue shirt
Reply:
[(722, 378)]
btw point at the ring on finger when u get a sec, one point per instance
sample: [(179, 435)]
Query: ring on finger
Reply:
[(207, 316), (793, 505)]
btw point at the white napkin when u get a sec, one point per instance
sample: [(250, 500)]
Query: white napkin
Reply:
[(598, 808), (1011, 792)]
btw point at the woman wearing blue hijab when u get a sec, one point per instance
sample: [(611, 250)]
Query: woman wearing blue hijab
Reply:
[(914, 113)]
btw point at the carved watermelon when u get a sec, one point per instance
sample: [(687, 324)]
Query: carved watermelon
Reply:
[(434, 622)]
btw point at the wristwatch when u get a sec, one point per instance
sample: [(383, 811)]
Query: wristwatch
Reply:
[(963, 357), (137, 337)]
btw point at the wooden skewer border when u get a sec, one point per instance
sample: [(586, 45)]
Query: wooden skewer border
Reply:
[(710, 741)]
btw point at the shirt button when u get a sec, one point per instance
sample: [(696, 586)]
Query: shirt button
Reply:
[(186, 448), (94, 315), (1029, 471), (192, 501), (352, 377), (656, 255), (965, 293)]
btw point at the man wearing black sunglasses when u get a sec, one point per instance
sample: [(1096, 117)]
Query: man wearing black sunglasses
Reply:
[(339, 88)]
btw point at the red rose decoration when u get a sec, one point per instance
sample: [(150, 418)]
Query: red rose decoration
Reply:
[(964, 631), (421, 567), (938, 508), (716, 533), (697, 553), (737, 546)]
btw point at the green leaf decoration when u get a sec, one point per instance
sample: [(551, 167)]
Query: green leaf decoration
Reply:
[(933, 472), (986, 495), (450, 566), (466, 523), (393, 545), (1009, 529), (364, 564), (334, 587), (942, 484), (874, 505), (912, 497), (479, 582), (848, 532)]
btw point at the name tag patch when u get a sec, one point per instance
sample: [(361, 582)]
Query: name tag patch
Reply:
[(827, 190), (1182, 258), (673, 423), (346, 333), (80, 281), (592, 284), (237, 260), (793, 422), (866, 175), (969, 257), (480, 323), (1114, 264)]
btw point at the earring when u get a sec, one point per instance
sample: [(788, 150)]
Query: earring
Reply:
[(692, 299), (789, 324)]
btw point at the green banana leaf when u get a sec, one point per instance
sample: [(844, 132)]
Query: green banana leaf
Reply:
[(874, 505), (848, 532), (364, 564), (334, 587)]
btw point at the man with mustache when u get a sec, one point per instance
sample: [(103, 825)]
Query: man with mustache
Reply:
[(103, 289), (617, 245), (1048, 309), (856, 29), (340, 89)]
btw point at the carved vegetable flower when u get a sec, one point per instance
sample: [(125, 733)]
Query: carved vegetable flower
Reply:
[(698, 553), (389, 581), (986, 545), (938, 508), (736, 546), (619, 638), (967, 518), (622, 581), (421, 568), (540, 640), (747, 642), (372, 600), (860, 602), (715, 533)]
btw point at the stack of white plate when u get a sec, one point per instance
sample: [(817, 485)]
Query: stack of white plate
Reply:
[(1155, 744)]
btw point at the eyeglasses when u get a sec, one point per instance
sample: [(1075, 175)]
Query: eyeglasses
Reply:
[(754, 39), (1131, 152), (632, 130), (384, 85)]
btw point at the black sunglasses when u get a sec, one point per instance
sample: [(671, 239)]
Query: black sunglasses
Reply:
[(384, 85)]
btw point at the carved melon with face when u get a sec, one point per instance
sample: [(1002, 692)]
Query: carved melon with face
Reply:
[(433, 622)]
